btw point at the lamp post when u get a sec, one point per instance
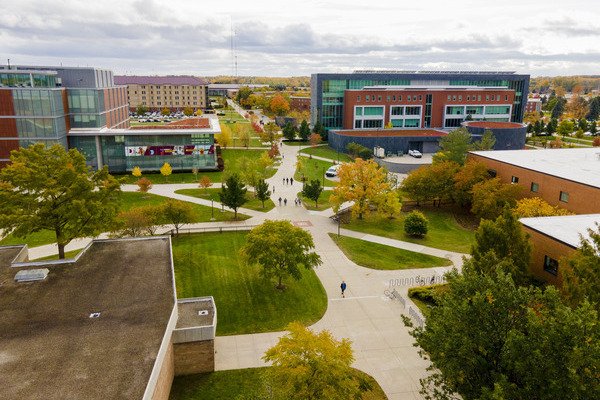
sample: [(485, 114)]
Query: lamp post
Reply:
[(212, 209), (339, 218), (323, 171)]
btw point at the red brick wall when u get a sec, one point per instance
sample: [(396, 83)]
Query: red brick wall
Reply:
[(546, 246), (8, 126), (165, 379), (439, 102)]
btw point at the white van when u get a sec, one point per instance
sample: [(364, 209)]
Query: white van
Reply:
[(332, 171)]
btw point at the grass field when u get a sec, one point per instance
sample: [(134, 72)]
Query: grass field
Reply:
[(213, 193), (129, 200), (208, 265), (323, 203), (444, 231), (230, 157), (249, 383), (313, 169), (326, 152), (379, 256)]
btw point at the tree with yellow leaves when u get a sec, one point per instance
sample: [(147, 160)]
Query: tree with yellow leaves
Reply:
[(362, 182), (224, 138), (166, 170), (310, 365), (137, 172), (536, 207)]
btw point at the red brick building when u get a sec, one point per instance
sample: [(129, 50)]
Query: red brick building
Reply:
[(533, 105), (425, 107), (568, 178), (298, 103)]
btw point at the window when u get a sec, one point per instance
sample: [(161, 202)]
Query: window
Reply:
[(479, 97), (400, 98), (373, 123), (468, 98), (453, 98), (388, 98), (497, 97), (396, 110), (420, 98), (412, 110), (460, 97), (514, 179), (449, 97), (411, 123), (414, 98), (564, 197), (358, 111), (358, 98), (505, 97), (378, 98), (534, 187), (358, 123), (367, 98), (394, 98), (550, 265)]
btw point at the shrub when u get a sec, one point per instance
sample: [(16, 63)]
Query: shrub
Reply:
[(428, 294), (357, 150), (596, 142), (144, 184), (415, 224)]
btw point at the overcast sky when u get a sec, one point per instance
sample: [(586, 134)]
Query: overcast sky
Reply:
[(286, 38)]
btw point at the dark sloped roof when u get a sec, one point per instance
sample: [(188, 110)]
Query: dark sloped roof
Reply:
[(158, 80)]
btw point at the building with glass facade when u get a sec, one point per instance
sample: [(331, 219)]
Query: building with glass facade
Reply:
[(83, 108), (328, 90)]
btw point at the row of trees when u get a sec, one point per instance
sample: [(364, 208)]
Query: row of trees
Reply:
[(494, 335), (536, 125), (577, 107)]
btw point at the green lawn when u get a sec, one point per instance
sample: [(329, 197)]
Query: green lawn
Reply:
[(208, 265), (313, 169), (213, 193), (379, 256), (326, 152), (444, 231), (323, 203), (129, 200), (296, 143), (231, 115), (249, 383)]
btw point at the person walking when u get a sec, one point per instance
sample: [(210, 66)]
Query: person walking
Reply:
[(291, 181), (284, 181), (285, 202), (280, 202), (343, 287), (273, 189)]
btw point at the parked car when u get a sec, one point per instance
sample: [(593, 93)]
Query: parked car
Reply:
[(332, 171), (415, 153)]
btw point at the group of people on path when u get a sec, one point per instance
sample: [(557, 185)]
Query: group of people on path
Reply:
[(288, 181), (297, 201)]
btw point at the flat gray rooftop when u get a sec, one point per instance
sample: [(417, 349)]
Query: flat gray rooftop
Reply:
[(578, 165), (50, 348), (566, 229)]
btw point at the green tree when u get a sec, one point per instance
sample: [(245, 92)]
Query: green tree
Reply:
[(416, 224), (289, 131), (233, 193), (242, 95), (304, 130), (270, 133), (487, 142), (281, 249), (502, 243), (138, 221), (455, 146), (141, 110), (262, 191), (431, 182), (177, 213), (565, 127), (580, 271), (319, 129), (594, 112), (491, 196), (552, 126), (312, 191), (51, 188), (250, 171), (559, 108), (490, 339), (593, 128), (389, 204), (309, 365)]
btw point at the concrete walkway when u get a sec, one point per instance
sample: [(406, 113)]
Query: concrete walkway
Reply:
[(382, 346)]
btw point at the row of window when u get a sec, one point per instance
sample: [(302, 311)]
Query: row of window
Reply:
[(535, 187), (477, 97), (175, 98), (373, 98), (158, 92)]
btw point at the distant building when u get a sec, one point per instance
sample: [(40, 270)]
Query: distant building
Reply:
[(41, 104), (105, 325), (230, 89), (568, 178), (298, 103), (330, 91), (533, 105), (553, 238), (82, 108), (158, 92)]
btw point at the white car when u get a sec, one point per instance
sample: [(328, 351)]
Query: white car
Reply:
[(415, 153), (332, 171)]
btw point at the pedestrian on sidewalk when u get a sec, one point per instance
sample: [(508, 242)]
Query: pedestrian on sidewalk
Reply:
[(280, 202), (284, 181), (273, 189), (285, 202), (291, 181), (343, 287)]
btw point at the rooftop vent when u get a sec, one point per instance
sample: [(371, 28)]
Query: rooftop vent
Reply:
[(32, 275), (203, 312), (95, 315)]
